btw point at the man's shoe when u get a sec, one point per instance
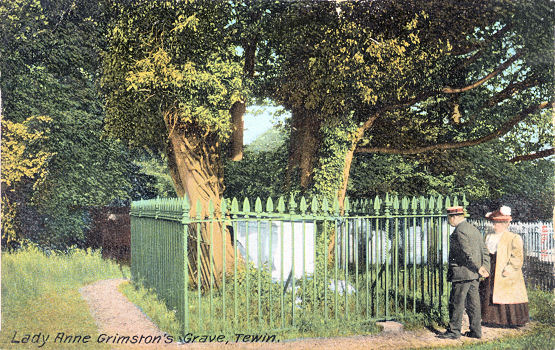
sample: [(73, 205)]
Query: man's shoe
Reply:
[(471, 334), (448, 335)]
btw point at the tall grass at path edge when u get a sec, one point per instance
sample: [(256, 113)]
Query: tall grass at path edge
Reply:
[(40, 294)]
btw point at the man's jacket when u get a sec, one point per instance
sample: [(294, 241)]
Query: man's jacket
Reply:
[(467, 253)]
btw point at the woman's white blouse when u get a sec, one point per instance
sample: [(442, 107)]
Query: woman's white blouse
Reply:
[(492, 240)]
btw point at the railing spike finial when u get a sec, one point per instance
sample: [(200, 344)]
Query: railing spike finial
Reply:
[(431, 204), (314, 205), (246, 205), (347, 205), (405, 205), (396, 204), (303, 206), (336, 205), (439, 204), (185, 209), (414, 205), (325, 205), (281, 204), (447, 202), (258, 205), (199, 209), (223, 206), (292, 204), (377, 205), (422, 205), (211, 208), (269, 205), (234, 205)]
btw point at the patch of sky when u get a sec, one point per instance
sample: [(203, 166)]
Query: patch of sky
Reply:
[(260, 118)]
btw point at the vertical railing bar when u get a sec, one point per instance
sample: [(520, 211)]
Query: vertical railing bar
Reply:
[(326, 253), (367, 250), (356, 247), (224, 268), (405, 254), (259, 271), (292, 270), (282, 302), (440, 228), (314, 273), (186, 271), (336, 267), (345, 243), (396, 265), (247, 289), (304, 261), (423, 265), (378, 261), (199, 311), (211, 271), (414, 265), (388, 252), (235, 224), (271, 263)]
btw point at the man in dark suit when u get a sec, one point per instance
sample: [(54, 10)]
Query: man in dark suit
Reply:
[(468, 260)]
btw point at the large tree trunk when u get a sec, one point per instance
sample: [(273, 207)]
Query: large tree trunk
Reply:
[(196, 169), (305, 128), (359, 134)]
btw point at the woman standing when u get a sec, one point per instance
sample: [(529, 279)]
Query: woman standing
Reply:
[(503, 294)]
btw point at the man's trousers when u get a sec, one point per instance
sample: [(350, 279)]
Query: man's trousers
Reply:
[(465, 293)]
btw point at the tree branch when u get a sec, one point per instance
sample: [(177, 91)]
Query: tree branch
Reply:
[(509, 91), (504, 94), (532, 156), (499, 69), (505, 128), (482, 44)]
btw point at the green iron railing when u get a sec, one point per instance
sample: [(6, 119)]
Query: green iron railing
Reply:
[(271, 269)]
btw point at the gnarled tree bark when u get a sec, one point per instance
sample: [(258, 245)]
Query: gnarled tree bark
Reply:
[(196, 169)]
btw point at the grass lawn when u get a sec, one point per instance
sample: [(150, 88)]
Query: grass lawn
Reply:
[(40, 298), (540, 337)]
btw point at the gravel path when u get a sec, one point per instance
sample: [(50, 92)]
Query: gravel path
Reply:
[(116, 316)]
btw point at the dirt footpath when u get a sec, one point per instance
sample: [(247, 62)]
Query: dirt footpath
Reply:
[(116, 316)]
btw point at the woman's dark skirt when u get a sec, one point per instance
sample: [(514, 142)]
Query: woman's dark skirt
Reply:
[(500, 314)]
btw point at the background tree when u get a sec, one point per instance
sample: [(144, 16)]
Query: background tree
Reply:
[(23, 164), (50, 67), (386, 77)]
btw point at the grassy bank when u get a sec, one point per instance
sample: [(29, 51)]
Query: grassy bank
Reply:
[(40, 295)]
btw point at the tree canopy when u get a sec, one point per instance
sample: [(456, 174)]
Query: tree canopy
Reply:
[(408, 78)]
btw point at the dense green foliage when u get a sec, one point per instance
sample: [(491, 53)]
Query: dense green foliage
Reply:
[(181, 73), (481, 173), (50, 67), (259, 174)]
